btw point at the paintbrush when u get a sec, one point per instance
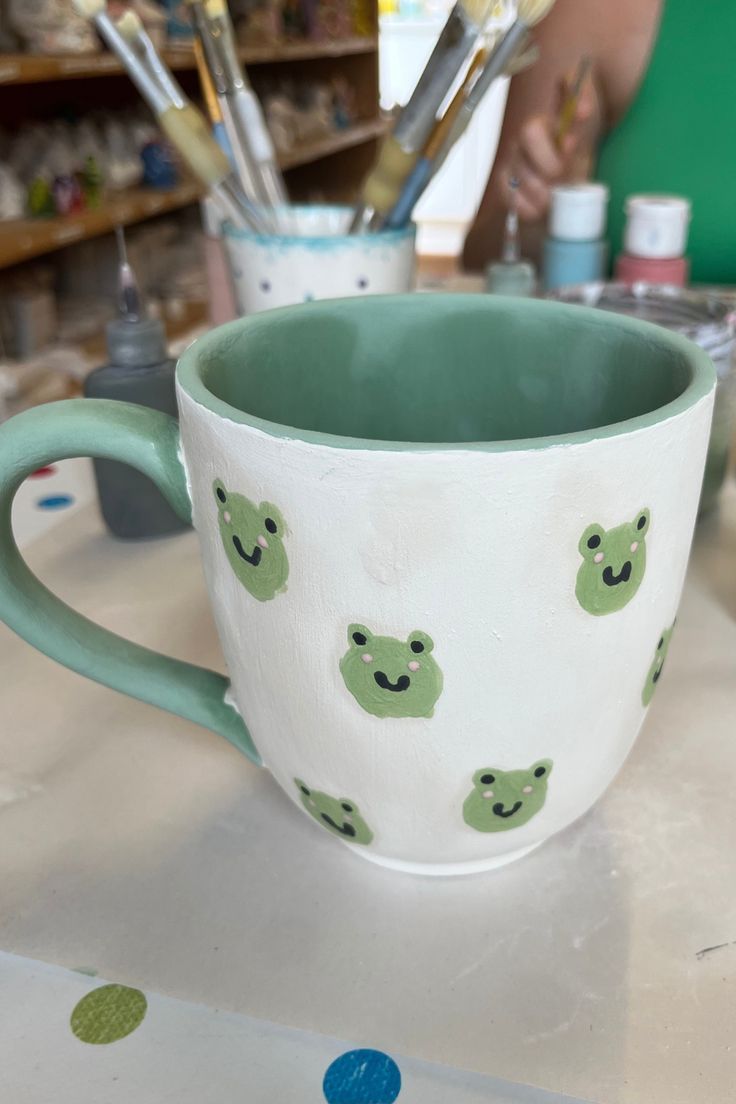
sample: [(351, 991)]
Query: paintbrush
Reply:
[(570, 102), (211, 102), (251, 142), (500, 60), (416, 120), (438, 146), (131, 28), (183, 125)]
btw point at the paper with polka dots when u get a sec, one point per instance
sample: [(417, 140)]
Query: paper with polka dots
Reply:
[(70, 1037)]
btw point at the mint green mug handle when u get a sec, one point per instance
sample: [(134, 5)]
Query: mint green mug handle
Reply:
[(150, 442)]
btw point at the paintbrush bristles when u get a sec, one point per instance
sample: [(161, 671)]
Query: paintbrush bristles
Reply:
[(88, 9), (129, 25), (478, 11), (532, 12)]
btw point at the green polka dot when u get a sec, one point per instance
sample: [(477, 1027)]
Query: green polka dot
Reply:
[(108, 1013)]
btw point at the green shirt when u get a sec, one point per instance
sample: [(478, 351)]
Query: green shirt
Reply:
[(679, 135)]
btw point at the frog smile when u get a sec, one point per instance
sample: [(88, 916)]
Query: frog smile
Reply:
[(254, 558), (402, 683), (500, 810), (345, 829), (623, 576)]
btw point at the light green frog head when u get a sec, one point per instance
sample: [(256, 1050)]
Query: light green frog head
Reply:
[(390, 677), (253, 540), (655, 670), (501, 800), (338, 814), (613, 565)]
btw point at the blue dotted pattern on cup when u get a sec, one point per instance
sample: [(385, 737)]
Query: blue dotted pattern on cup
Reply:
[(55, 502), (362, 1077)]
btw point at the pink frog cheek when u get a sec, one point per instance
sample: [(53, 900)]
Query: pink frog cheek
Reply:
[(634, 546), (226, 517), (367, 658), (598, 558), (527, 789), (488, 793), (262, 541), (413, 666)]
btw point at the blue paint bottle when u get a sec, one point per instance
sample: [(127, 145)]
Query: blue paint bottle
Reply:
[(576, 252)]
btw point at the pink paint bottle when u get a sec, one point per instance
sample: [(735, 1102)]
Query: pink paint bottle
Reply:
[(655, 240)]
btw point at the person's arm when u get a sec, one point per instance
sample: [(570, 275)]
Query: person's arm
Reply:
[(526, 148)]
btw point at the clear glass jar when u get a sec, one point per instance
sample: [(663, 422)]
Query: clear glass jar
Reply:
[(708, 318)]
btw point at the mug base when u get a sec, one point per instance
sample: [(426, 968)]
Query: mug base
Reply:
[(444, 870)]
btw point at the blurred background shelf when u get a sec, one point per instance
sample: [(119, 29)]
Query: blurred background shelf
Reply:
[(26, 69), (26, 238)]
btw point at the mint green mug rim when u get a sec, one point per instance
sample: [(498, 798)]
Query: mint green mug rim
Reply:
[(702, 373)]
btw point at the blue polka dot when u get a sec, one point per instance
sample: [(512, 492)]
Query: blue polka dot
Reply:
[(55, 502), (309, 297), (362, 1077)]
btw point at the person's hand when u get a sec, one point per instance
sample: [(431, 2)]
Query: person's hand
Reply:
[(539, 161)]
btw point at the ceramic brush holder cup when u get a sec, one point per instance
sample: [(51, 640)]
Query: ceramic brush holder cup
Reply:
[(444, 539), (316, 258)]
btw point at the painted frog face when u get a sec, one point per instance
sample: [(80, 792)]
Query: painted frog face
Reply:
[(657, 666), (389, 677), (253, 539), (501, 800), (340, 815), (613, 565)]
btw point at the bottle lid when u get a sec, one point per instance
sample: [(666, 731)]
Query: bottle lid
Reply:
[(578, 211), (136, 344), (656, 226)]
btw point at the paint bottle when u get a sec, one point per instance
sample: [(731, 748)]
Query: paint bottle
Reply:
[(511, 275), (575, 251), (139, 371), (655, 240)]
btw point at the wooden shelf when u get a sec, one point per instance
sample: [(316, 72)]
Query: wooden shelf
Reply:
[(333, 143), (33, 237), (20, 240), (305, 51), (28, 69)]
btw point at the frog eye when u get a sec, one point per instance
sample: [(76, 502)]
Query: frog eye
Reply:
[(540, 772), (488, 779), (271, 525), (591, 540), (661, 642), (359, 635), (305, 789), (347, 807), (420, 642), (642, 522), (220, 491)]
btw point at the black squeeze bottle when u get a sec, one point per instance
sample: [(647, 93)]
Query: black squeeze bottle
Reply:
[(139, 371)]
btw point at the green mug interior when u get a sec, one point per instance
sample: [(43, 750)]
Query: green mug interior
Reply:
[(444, 370)]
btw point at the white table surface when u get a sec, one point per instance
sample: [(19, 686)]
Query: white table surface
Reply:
[(149, 850)]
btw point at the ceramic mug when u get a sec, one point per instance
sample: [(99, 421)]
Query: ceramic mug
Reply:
[(316, 258), (444, 539)]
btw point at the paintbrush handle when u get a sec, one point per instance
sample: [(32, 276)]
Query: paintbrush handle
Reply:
[(500, 57), (413, 188), (148, 87), (417, 118)]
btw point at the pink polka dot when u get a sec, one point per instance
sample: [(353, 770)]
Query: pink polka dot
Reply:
[(634, 546), (527, 789), (226, 517), (262, 541), (413, 666), (367, 658), (488, 793), (598, 557)]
